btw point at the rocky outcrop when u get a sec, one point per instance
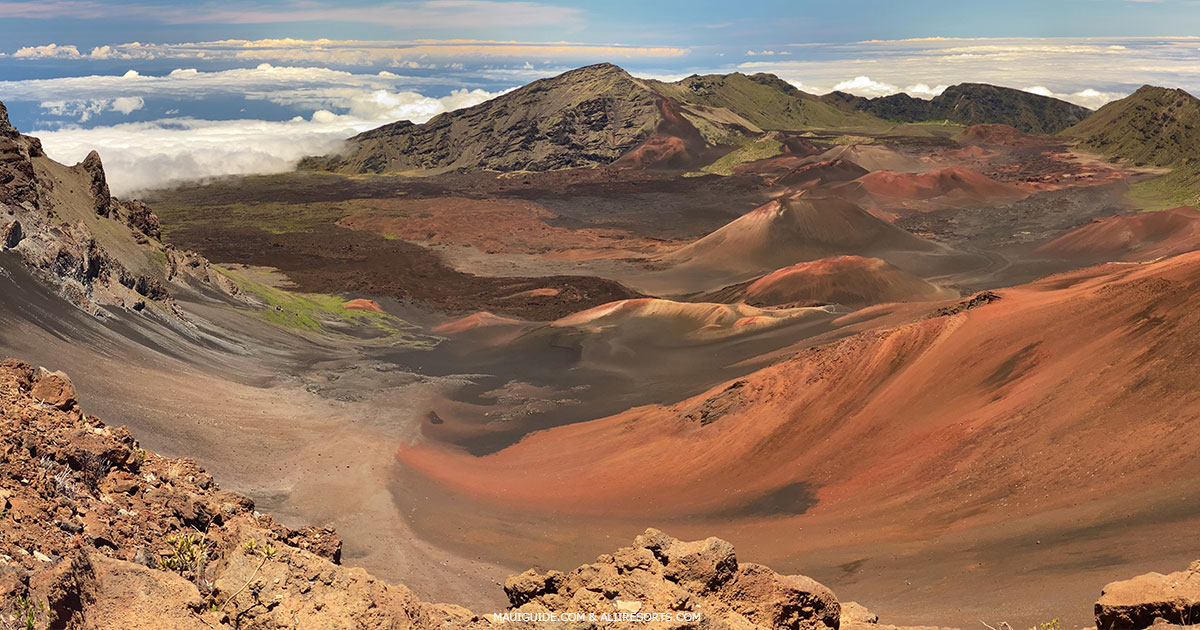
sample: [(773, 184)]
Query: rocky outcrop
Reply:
[(93, 249), (18, 183), (98, 184), (678, 581), (1151, 599), (11, 235), (99, 533)]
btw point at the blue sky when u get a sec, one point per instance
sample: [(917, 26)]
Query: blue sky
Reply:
[(646, 22), (205, 87)]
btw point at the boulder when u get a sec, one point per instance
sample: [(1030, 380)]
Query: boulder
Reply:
[(1138, 602), (768, 599), (856, 613), (54, 389)]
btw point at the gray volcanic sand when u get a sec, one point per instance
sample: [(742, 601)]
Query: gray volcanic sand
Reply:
[(308, 430)]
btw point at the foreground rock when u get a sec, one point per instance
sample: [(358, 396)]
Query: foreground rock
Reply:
[(98, 533), (1151, 599), (669, 583)]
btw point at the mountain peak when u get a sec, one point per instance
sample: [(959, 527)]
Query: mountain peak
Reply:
[(1154, 125)]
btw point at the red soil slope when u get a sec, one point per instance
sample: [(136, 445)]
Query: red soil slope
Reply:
[(848, 280), (1012, 408), (954, 187), (1136, 237), (362, 304), (787, 231)]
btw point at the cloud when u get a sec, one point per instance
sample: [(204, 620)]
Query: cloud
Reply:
[(865, 86), (414, 54), (143, 155), (85, 109), (52, 9), (1089, 98), (128, 104), (49, 51), (372, 97), (415, 16)]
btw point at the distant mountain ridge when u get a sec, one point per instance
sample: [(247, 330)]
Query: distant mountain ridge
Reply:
[(1153, 126), (970, 104), (593, 116)]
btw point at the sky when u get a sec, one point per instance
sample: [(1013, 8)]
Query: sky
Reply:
[(173, 90)]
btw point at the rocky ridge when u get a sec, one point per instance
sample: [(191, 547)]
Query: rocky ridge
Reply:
[(94, 249), (971, 104)]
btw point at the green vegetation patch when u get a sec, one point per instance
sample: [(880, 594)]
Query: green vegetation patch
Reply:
[(273, 217), (319, 313), (1180, 187), (751, 150)]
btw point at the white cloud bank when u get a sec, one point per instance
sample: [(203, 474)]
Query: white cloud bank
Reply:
[(398, 54), (84, 109), (366, 96), (141, 155)]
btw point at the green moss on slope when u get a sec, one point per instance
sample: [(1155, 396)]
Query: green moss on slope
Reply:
[(1153, 126), (316, 313), (1180, 187)]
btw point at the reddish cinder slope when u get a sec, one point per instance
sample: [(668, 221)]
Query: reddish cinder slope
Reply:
[(954, 187), (1136, 237), (848, 280), (786, 231), (1075, 388)]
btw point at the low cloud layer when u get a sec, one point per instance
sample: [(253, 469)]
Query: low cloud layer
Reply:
[(139, 156), (142, 155), (415, 54)]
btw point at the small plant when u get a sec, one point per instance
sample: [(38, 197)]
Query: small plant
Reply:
[(29, 611), (139, 455), (94, 468), (1048, 625), (187, 554), (64, 486)]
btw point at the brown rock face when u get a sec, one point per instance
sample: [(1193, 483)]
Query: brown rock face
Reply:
[(11, 236), (140, 217), (54, 389), (687, 584), (99, 184), (1141, 601)]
